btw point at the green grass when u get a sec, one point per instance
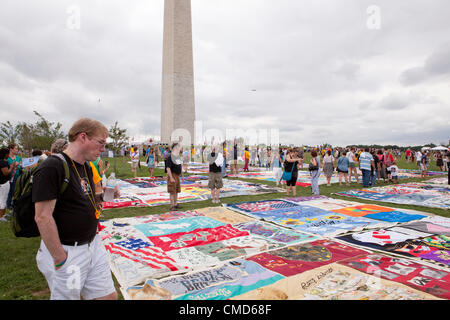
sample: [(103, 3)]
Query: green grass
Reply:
[(22, 280)]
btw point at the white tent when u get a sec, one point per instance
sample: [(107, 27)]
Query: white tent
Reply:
[(440, 148)]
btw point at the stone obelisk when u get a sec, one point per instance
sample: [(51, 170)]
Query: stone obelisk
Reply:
[(177, 101)]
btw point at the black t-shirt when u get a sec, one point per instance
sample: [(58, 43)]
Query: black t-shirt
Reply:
[(375, 162), (288, 167), (174, 168), (3, 179), (235, 152), (213, 167), (74, 212)]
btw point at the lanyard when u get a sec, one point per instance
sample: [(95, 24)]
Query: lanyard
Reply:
[(91, 196)]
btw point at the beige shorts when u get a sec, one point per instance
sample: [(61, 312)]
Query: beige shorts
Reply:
[(215, 180), (86, 272), (234, 162), (174, 187), (134, 165)]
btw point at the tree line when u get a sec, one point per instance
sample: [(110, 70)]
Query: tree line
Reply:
[(41, 134)]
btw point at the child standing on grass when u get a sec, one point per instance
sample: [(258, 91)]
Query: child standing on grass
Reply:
[(394, 172)]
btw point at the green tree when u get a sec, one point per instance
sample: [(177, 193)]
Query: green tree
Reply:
[(9, 133), (119, 140), (39, 135)]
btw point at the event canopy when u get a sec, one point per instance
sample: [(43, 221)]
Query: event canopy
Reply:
[(440, 148)]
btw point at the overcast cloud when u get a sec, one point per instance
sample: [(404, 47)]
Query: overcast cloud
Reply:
[(323, 71)]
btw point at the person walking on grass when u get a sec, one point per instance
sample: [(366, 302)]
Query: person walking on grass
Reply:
[(342, 168), (352, 164), (70, 245), (314, 168), (328, 166), (291, 165), (374, 169), (174, 172), (277, 166), (150, 159), (134, 160), (246, 159), (423, 165), (5, 172), (215, 182), (366, 163), (16, 171), (440, 161)]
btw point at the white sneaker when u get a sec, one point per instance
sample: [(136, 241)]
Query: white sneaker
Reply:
[(3, 219)]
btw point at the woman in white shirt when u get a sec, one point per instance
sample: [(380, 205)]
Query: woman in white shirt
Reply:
[(352, 165), (328, 166)]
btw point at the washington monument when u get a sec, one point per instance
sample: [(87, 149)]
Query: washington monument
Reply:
[(177, 99)]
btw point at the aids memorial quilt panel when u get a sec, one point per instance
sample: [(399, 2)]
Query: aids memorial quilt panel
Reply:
[(422, 246), (420, 277), (219, 283), (296, 259)]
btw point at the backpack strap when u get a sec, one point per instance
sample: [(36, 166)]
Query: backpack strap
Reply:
[(66, 172)]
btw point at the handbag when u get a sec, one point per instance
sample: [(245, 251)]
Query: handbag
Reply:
[(313, 167), (287, 176)]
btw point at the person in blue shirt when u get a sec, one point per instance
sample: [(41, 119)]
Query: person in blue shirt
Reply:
[(366, 162), (342, 168), (150, 159)]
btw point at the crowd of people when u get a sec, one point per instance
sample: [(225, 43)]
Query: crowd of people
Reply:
[(69, 227)]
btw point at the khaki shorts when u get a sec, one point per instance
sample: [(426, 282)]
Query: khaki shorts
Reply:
[(174, 187), (215, 180), (134, 165), (86, 273), (234, 162)]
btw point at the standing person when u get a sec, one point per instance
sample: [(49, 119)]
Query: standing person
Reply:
[(301, 155), (291, 165), (68, 227), (277, 166), (374, 169), (150, 160), (268, 157), (253, 157), (314, 168), (440, 161), (174, 171), (234, 162), (388, 161), (15, 173), (258, 156), (448, 166), (215, 182), (5, 172), (366, 162), (328, 166), (381, 168), (185, 154), (419, 159), (423, 165), (134, 161), (394, 172), (224, 166), (342, 168), (408, 155), (246, 159), (352, 164), (59, 145)]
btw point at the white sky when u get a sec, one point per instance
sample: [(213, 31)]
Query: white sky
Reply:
[(321, 69)]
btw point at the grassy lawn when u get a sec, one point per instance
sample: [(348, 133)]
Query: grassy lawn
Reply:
[(22, 280)]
